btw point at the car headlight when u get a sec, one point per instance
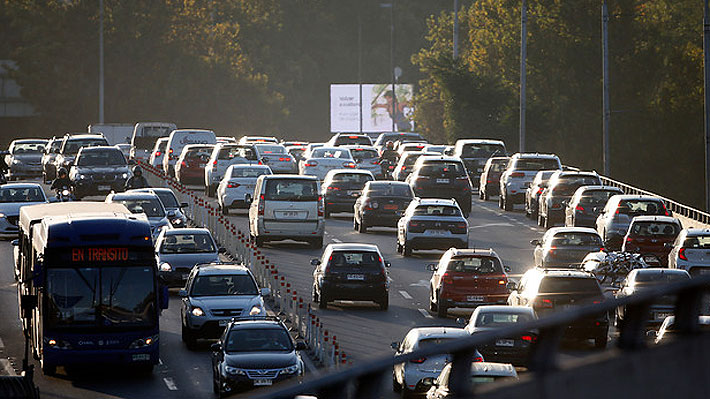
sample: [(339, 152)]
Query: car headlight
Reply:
[(124, 176), (2, 215), (234, 371), (291, 369), (256, 310), (80, 176), (375, 205), (57, 343), (15, 161), (143, 342), (165, 267), (198, 312)]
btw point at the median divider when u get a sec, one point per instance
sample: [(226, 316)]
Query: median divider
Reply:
[(294, 310)]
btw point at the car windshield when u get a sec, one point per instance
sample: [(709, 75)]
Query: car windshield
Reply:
[(475, 265), (150, 206), (570, 285), (654, 229), (641, 207), (347, 139), (390, 190), (187, 244), (359, 153), (436, 210), (537, 164), (291, 190), (654, 277), (72, 146), (29, 148), (270, 149), (575, 239), (226, 284), (331, 153), (596, 197), (498, 166), (258, 340), (101, 158), (442, 169), (501, 319), (21, 194), (697, 242), (145, 138), (360, 178), (363, 260), (168, 199), (482, 150)]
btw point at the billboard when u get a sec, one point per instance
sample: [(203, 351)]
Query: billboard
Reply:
[(375, 111)]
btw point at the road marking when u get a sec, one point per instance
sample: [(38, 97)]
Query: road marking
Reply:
[(425, 313), (335, 240), (170, 383), (421, 283), (405, 294), (490, 225), (160, 361)]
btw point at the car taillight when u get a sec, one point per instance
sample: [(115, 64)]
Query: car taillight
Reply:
[(233, 185), (529, 338), (552, 250), (418, 361), (502, 282), (540, 190), (579, 208), (332, 188), (681, 254), (183, 163), (413, 224), (375, 161), (349, 164), (478, 359), (446, 278), (403, 167), (261, 205), (214, 163), (320, 205), (311, 163), (461, 225), (284, 159), (517, 174), (544, 303), (157, 153)]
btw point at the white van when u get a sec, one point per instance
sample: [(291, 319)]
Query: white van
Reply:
[(178, 140), (144, 136), (287, 207)]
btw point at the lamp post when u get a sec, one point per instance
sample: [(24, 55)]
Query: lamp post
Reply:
[(394, 78), (706, 70), (523, 74), (101, 61)]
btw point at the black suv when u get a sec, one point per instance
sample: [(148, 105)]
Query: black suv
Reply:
[(442, 177), (382, 203), (552, 290), (99, 170), (351, 272), (72, 144), (254, 352)]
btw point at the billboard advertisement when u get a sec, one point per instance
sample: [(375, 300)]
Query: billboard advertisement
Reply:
[(375, 112)]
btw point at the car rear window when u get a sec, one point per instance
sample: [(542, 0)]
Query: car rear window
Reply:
[(28, 148), (203, 153), (500, 319), (249, 172), (363, 260), (475, 265), (441, 169), (344, 140), (330, 153), (596, 197), (651, 277), (576, 240), (641, 207), (228, 153), (482, 150), (291, 190), (360, 153), (436, 210), (270, 149), (426, 342), (351, 178), (101, 158), (537, 164), (654, 229), (498, 166), (695, 242), (226, 284), (187, 243), (569, 285), (569, 186), (390, 190)]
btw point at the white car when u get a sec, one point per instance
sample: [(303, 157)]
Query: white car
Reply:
[(158, 152), (431, 223), (223, 155), (276, 156), (520, 173), (366, 157), (13, 197), (323, 159), (691, 251), (258, 139), (145, 203), (236, 189)]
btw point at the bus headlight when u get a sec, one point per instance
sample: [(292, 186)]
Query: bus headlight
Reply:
[(165, 267), (143, 342), (198, 312)]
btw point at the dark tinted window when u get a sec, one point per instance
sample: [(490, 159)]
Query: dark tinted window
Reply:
[(249, 172), (569, 285), (427, 342), (475, 265), (345, 140), (482, 150), (390, 190), (641, 207), (498, 166), (567, 186), (101, 158), (240, 284), (442, 169), (697, 242), (651, 277), (359, 153), (537, 164), (228, 153), (655, 229), (28, 148), (203, 153), (500, 319), (576, 240), (436, 210), (258, 340), (359, 178), (146, 137), (359, 260), (596, 197), (187, 243), (291, 190)]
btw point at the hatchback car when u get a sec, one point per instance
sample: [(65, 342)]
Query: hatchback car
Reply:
[(255, 352), (214, 293), (510, 349), (342, 187), (467, 278), (179, 250), (382, 203), (146, 203), (71, 145), (481, 373), (99, 171), (475, 152), (407, 378), (490, 177), (276, 156), (366, 158), (551, 290), (587, 203), (534, 190), (519, 174), (173, 208), (652, 235), (14, 196), (442, 177), (355, 272), (49, 171), (431, 224), (691, 251), (322, 159), (158, 152), (565, 246), (223, 155), (613, 222), (639, 280), (236, 189), (24, 158), (287, 207), (190, 166), (560, 188)]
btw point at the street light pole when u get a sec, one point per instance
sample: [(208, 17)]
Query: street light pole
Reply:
[(101, 61), (394, 78), (706, 70), (606, 158), (523, 74), (359, 62), (456, 29)]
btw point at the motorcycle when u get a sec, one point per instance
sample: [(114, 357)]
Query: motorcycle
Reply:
[(387, 169), (64, 194)]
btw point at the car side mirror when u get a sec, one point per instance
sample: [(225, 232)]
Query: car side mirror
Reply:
[(428, 381), (394, 345), (652, 334), (507, 269), (222, 250), (15, 243), (171, 213), (183, 205), (388, 264), (216, 347), (432, 267), (182, 293), (315, 262), (512, 286), (247, 199), (265, 292), (301, 346), (535, 242), (461, 321)]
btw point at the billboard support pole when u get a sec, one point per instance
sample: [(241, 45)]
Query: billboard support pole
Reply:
[(394, 93), (359, 63)]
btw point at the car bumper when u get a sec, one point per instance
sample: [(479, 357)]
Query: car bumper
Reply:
[(296, 232), (437, 242), (337, 204), (243, 382), (381, 218), (16, 171), (354, 292), (90, 187)]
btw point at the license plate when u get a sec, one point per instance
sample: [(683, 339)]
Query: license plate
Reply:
[(104, 188), (505, 342), (475, 298), (223, 323), (442, 180), (289, 214), (262, 382), (140, 357), (438, 232), (391, 206), (663, 315), (359, 277)]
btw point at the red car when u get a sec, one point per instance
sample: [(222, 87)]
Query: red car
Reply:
[(467, 278), (190, 166), (648, 235)]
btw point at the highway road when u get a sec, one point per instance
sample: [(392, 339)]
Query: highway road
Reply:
[(362, 330)]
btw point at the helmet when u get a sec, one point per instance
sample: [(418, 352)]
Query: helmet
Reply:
[(389, 145), (62, 171), (137, 170)]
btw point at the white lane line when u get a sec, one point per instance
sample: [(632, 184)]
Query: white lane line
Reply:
[(420, 283), (335, 240), (160, 361), (425, 313), (490, 225), (405, 294), (170, 383), (7, 367)]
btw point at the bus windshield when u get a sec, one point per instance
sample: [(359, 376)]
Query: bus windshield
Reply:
[(101, 297)]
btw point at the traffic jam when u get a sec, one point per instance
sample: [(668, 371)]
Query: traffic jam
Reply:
[(102, 243)]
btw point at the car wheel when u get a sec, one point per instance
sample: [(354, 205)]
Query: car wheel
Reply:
[(384, 302), (259, 241), (322, 301), (507, 205), (317, 243), (432, 304), (396, 386), (361, 228), (406, 249), (600, 342), (441, 310)]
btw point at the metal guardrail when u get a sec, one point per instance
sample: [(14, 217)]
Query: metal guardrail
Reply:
[(365, 380)]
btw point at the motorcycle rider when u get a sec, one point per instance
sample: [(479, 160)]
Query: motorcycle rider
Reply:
[(388, 157), (62, 181), (137, 180)]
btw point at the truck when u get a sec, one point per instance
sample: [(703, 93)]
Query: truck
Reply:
[(116, 133)]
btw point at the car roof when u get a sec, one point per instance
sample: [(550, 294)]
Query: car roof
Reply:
[(493, 369), (192, 131), (436, 201), (564, 173), (256, 322), (570, 229), (98, 148), (131, 195), (472, 252), (286, 176), (73, 136), (438, 332), (149, 189), (505, 308), (479, 141), (355, 171), (598, 188), (656, 218), (387, 183), (446, 158), (534, 155), (634, 196), (697, 232), (21, 185), (658, 270), (187, 230), (214, 269), (564, 272), (36, 141), (359, 146), (345, 246), (247, 166)]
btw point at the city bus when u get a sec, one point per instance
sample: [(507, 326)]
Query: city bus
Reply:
[(90, 292)]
